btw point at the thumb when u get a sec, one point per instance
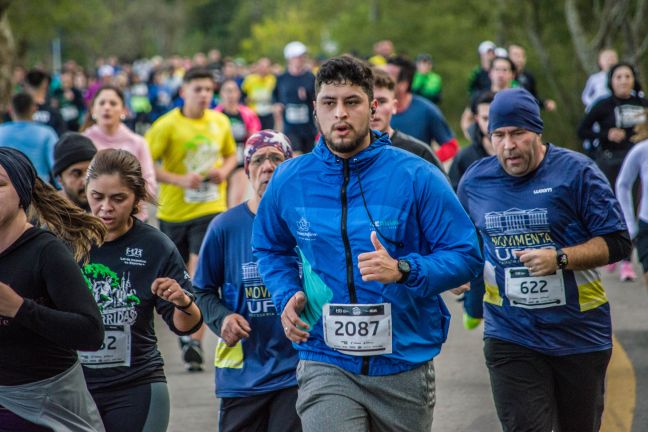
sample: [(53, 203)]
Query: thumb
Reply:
[(376, 243), (300, 300), (242, 322)]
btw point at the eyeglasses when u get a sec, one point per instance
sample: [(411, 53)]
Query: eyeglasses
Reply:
[(275, 159)]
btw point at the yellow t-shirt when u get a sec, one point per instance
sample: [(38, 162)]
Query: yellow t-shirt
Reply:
[(191, 145), (259, 92)]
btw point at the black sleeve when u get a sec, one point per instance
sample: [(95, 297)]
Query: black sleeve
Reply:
[(58, 123), (74, 321), (455, 173), (174, 268), (594, 115), (275, 92), (429, 156), (78, 101), (210, 301), (619, 245), (210, 273)]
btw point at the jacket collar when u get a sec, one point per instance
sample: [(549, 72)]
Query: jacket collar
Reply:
[(361, 160)]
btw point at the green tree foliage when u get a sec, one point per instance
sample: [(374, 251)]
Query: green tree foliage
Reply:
[(36, 23), (561, 37)]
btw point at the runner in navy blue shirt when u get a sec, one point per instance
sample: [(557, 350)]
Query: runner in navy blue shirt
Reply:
[(255, 363), (416, 115), (293, 96), (548, 219)]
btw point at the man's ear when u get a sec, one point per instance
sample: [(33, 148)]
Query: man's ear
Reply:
[(373, 106)]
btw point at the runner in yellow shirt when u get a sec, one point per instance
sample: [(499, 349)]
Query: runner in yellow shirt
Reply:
[(258, 88), (195, 153)]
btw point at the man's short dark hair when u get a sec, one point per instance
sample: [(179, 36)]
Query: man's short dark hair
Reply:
[(197, 73), (345, 70), (22, 105), (382, 79), (407, 70), (483, 98), (35, 78), (506, 59)]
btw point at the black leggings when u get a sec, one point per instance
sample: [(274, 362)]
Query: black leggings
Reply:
[(10, 422), (143, 408)]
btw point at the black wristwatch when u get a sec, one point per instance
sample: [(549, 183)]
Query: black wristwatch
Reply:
[(561, 259), (192, 299), (405, 269)]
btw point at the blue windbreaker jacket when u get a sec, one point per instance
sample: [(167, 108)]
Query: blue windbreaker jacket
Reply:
[(314, 210)]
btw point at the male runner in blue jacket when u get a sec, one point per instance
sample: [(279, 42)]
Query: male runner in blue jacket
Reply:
[(380, 234)]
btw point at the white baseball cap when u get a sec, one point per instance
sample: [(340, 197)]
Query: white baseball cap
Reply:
[(294, 49), (486, 46), (501, 52)]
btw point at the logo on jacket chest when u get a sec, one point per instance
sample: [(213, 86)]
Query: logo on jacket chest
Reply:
[(304, 230)]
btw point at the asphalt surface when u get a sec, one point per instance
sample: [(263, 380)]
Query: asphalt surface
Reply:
[(464, 401)]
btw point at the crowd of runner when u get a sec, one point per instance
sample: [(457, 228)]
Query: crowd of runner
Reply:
[(322, 285)]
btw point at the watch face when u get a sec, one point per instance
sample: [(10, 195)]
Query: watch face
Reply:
[(403, 266), (562, 259)]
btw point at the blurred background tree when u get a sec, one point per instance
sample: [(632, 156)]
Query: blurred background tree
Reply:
[(561, 37)]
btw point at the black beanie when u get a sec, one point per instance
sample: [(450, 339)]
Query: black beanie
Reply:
[(73, 147), (21, 172)]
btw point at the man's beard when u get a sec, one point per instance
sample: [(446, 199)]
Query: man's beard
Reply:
[(345, 145), (75, 198)]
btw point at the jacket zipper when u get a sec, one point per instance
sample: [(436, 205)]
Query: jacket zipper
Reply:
[(345, 236), (347, 251)]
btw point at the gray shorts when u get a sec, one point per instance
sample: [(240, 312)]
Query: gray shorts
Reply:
[(331, 399)]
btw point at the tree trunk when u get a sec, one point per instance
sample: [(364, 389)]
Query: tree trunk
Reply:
[(584, 52), (640, 37), (6, 56), (567, 104), (374, 11)]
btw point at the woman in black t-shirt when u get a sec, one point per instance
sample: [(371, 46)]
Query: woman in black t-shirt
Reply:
[(137, 271), (46, 310), (615, 117)]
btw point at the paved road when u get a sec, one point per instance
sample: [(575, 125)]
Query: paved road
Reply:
[(464, 401)]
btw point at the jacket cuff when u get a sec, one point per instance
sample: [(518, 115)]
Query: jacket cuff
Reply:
[(286, 299), (25, 311), (415, 267)]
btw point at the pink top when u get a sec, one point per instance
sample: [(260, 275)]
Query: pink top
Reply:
[(127, 140)]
